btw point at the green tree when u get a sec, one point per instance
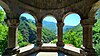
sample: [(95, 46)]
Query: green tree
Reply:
[(96, 36), (21, 40), (72, 37), (2, 15), (3, 37), (4, 34)]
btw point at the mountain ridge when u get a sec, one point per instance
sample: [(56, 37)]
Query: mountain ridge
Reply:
[(28, 30)]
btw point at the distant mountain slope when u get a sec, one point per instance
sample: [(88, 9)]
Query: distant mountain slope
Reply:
[(28, 30), (66, 28), (53, 26), (50, 25), (74, 35)]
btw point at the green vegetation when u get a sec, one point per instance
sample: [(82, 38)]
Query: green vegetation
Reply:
[(96, 36), (47, 35), (27, 34), (4, 34), (28, 30), (3, 37), (21, 40), (73, 36)]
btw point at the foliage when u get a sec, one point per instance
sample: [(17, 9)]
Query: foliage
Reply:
[(3, 37), (2, 15), (54, 41), (21, 40), (97, 48), (27, 33), (28, 30), (72, 37), (47, 35), (96, 36), (4, 34)]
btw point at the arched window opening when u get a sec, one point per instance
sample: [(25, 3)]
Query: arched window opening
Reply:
[(27, 27), (3, 31), (49, 30), (96, 33), (72, 30)]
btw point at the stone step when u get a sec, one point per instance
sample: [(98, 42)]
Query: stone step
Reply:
[(47, 54)]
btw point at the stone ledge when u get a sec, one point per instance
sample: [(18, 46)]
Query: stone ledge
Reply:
[(31, 49)]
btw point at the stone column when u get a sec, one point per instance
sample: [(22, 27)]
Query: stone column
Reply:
[(87, 48), (12, 37), (39, 34), (60, 42)]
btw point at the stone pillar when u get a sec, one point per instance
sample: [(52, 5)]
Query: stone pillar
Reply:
[(12, 37), (60, 42), (87, 48), (39, 34)]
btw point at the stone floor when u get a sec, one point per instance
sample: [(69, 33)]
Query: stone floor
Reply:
[(47, 54), (68, 47)]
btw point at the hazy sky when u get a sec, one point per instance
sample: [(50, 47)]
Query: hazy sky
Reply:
[(50, 19), (1, 8), (28, 16), (72, 19)]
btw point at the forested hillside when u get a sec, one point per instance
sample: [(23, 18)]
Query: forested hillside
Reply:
[(96, 36), (26, 33), (4, 34), (52, 26), (74, 36), (28, 30)]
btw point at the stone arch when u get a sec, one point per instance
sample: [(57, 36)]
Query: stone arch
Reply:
[(31, 32), (49, 14), (51, 28), (92, 12), (68, 14), (71, 20), (31, 14), (5, 7)]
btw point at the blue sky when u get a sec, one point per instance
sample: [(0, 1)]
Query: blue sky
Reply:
[(1, 8), (28, 16), (50, 19), (71, 19)]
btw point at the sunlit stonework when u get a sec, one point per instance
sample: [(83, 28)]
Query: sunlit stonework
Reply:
[(58, 8)]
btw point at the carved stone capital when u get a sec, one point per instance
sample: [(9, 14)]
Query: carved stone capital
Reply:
[(88, 22), (13, 22), (60, 24), (39, 25)]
